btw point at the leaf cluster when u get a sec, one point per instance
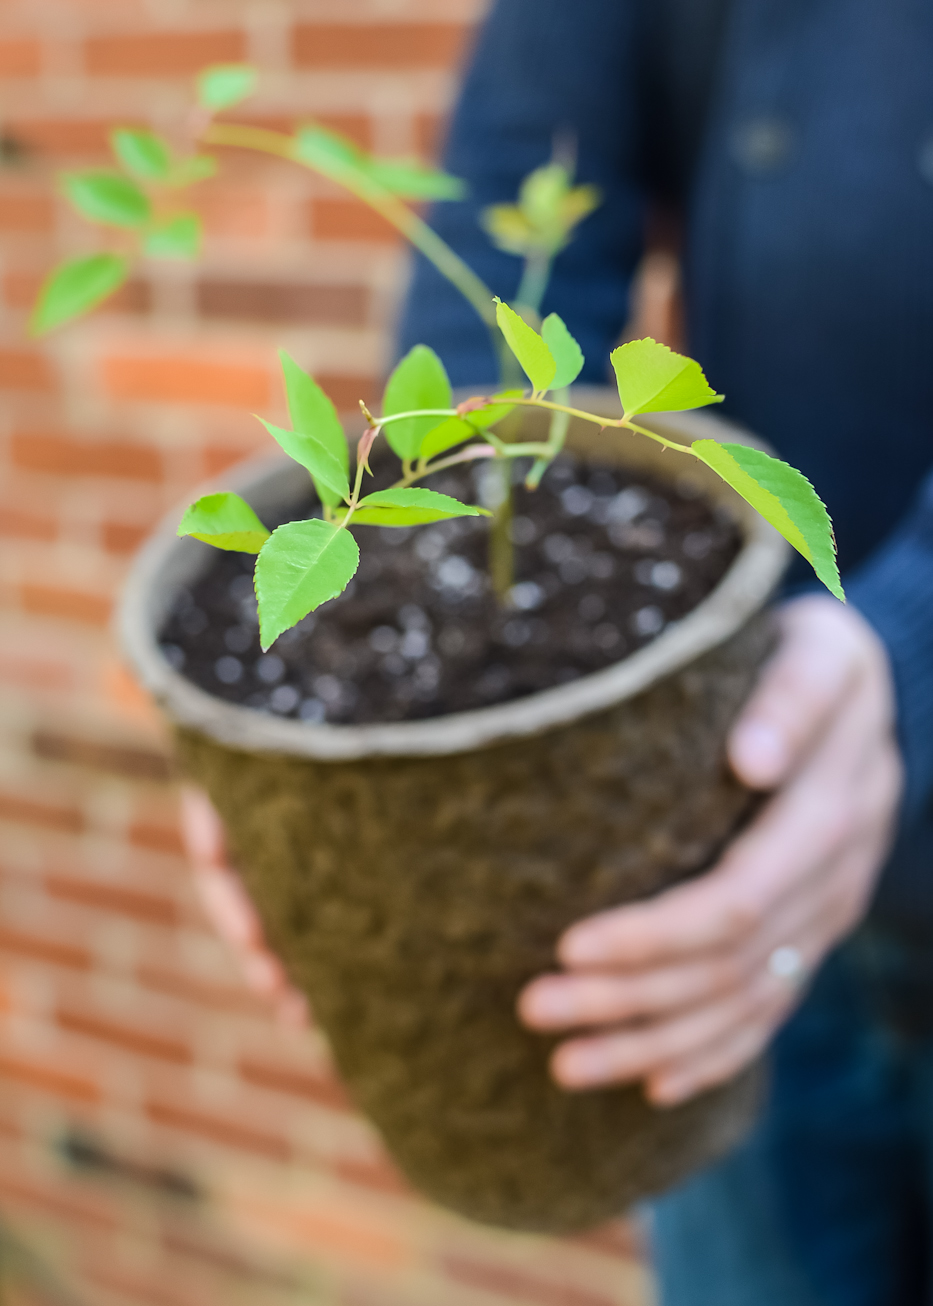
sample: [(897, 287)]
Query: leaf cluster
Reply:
[(303, 564), (133, 199), (343, 161), (542, 223)]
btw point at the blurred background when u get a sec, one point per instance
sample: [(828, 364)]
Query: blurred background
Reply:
[(165, 1140)]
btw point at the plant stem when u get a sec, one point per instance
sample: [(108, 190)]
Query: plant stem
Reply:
[(534, 282), (404, 219), (355, 493), (501, 548)]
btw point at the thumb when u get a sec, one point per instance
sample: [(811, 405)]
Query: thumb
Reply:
[(815, 665)]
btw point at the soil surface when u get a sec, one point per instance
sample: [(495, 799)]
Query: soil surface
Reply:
[(603, 564)]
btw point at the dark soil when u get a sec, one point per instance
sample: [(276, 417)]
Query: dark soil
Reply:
[(603, 564)]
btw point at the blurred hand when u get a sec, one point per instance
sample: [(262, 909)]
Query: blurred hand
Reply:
[(678, 991), (230, 910)]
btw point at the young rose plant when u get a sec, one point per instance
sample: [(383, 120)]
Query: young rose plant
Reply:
[(303, 564)]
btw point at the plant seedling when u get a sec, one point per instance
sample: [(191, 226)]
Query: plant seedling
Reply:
[(303, 564)]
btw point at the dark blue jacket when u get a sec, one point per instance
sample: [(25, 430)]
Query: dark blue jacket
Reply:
[(809, 265)]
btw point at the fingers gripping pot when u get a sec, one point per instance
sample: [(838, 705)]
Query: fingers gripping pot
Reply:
[(414, 876)]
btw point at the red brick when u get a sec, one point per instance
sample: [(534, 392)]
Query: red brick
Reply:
[(48, 1079), (264, 301), (141, 906), (157, 838), (15, 523), (133, 1040), (297, 1083), (377, 45), (114, 759), (346, 391), (118, 537), (35, 673), (20, 58), (349, 219), (52, 951), (32, 811), (26, 212), (59, 1199), (81, 137), (183, 380), (220, 1130), (161, 54), (177, 984), (25, 369), (233, 212), (64, 455), (217, 458), (518, 1285), (429, 134), (71, 605)]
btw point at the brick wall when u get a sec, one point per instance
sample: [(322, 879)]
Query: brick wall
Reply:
[(165, 1142)]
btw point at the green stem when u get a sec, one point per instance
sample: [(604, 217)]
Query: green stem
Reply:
[(404, 219), (534, 282), (355, 494), (501, 548)]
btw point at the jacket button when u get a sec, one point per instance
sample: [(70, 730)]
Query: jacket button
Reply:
[(762, 146)]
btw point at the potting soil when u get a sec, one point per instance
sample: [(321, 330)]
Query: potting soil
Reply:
[(603, 564)]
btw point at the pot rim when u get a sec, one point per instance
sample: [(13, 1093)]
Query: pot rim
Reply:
[(744, 589)]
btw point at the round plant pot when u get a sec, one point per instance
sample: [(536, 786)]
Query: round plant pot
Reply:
[(414, 876)]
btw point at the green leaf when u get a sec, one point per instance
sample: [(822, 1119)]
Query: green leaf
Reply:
[(412, 180), (76, 287), (410, 507), (313, 414), (419, 381), (536, 359), (567, 353), (653, 379), (142, 152), (784, 497), (330, 153), (176, 237), (316, 457), (187, 171), (453, 430), (301, 566), (107, 197), (223, 85), (492, 413), (226, 521)]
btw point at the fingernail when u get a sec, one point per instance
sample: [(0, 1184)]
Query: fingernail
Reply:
[(582, 948), (580, 1067), (759, 750), (550, 1005), (669, 1092)]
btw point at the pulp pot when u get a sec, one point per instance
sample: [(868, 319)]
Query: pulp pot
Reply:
[(414, 876)]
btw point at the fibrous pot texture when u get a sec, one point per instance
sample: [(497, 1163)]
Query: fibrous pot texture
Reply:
[(413, 877)]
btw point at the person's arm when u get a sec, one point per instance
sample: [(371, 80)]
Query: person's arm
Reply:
[(540, 68), (894, 591)]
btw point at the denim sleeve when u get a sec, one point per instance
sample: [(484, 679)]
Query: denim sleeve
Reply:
[(894, 591), (540, 68)]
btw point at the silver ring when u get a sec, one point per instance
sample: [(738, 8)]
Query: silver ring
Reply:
[(786, 963)]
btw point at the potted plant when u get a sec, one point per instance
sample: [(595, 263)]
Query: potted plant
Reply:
[(428, 768)]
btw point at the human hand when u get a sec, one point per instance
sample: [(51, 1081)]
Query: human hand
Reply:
[(230, 910), (678, 990)]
